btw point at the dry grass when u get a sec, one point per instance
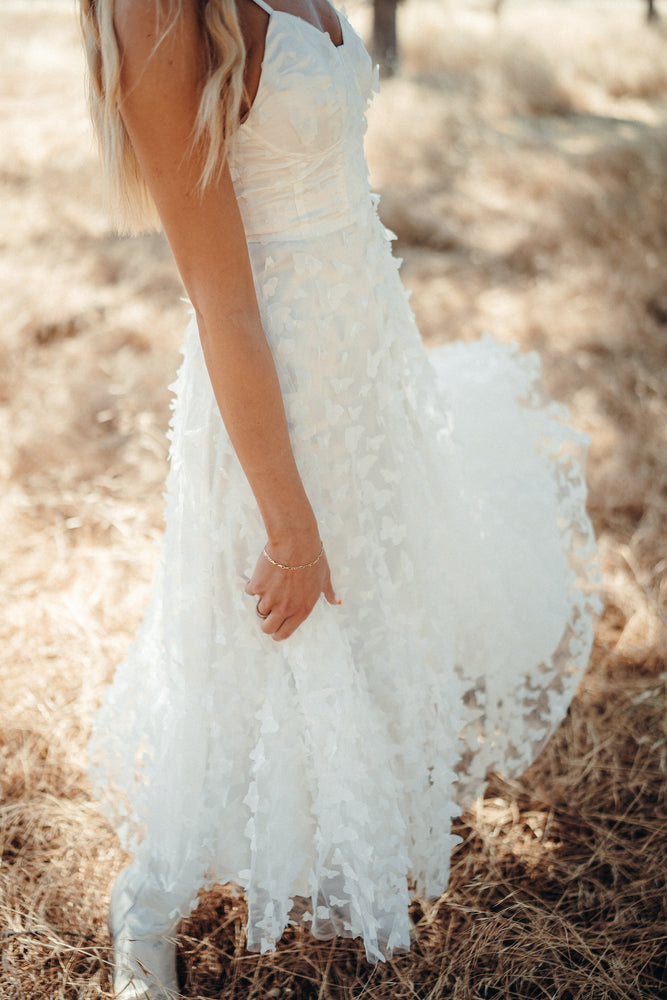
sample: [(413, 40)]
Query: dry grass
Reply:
[(524, 168)]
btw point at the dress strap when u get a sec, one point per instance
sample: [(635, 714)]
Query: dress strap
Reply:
[(264, 6)]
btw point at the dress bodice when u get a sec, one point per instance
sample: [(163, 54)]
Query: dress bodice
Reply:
[(297, 161)]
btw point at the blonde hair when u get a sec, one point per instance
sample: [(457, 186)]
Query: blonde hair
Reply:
[(219, 110)]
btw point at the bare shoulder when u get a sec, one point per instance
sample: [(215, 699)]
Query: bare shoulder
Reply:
[(141, 25), (160, 46), (133, 16)]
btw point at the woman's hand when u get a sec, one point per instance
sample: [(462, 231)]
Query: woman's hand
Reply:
[(287, 596)]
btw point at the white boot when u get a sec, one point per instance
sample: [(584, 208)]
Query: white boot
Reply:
[(143, 940)]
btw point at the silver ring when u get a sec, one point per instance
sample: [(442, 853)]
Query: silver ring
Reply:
[(258, 612)]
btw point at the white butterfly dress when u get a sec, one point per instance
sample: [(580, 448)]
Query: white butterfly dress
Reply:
[(451, 499)]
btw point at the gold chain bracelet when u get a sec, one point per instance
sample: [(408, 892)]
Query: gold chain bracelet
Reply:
[(304, 566)]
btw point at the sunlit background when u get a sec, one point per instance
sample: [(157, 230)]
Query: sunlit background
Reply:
[(521, 154)]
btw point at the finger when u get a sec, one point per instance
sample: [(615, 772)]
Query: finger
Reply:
[(273, 623), (287, 628), (249, 589), (329, 592), (262, 608)]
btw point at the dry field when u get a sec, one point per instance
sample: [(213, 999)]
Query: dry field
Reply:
[(523, 163)]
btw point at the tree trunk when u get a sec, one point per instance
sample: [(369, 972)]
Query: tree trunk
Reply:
[(384, 45)]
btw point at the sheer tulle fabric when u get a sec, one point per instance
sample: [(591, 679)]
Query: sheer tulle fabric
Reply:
[(321, 774)]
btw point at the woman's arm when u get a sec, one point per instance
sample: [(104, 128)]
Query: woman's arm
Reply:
[(160, 89)]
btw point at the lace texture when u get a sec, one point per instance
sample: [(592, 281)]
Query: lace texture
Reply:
[(321, 774)]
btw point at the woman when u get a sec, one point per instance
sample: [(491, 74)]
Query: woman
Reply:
[(306, 744)]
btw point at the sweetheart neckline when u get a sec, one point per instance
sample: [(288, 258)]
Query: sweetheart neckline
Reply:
[(319, 31), (328, 40)]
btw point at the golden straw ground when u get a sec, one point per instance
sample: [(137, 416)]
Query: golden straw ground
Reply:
[(523, 163)]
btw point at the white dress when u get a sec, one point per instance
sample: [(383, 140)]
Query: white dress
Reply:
[(451, 500)]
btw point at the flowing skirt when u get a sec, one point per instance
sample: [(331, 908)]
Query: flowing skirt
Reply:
[(450, 496)]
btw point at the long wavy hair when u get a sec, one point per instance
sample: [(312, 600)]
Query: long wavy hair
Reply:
[(223, 52)]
